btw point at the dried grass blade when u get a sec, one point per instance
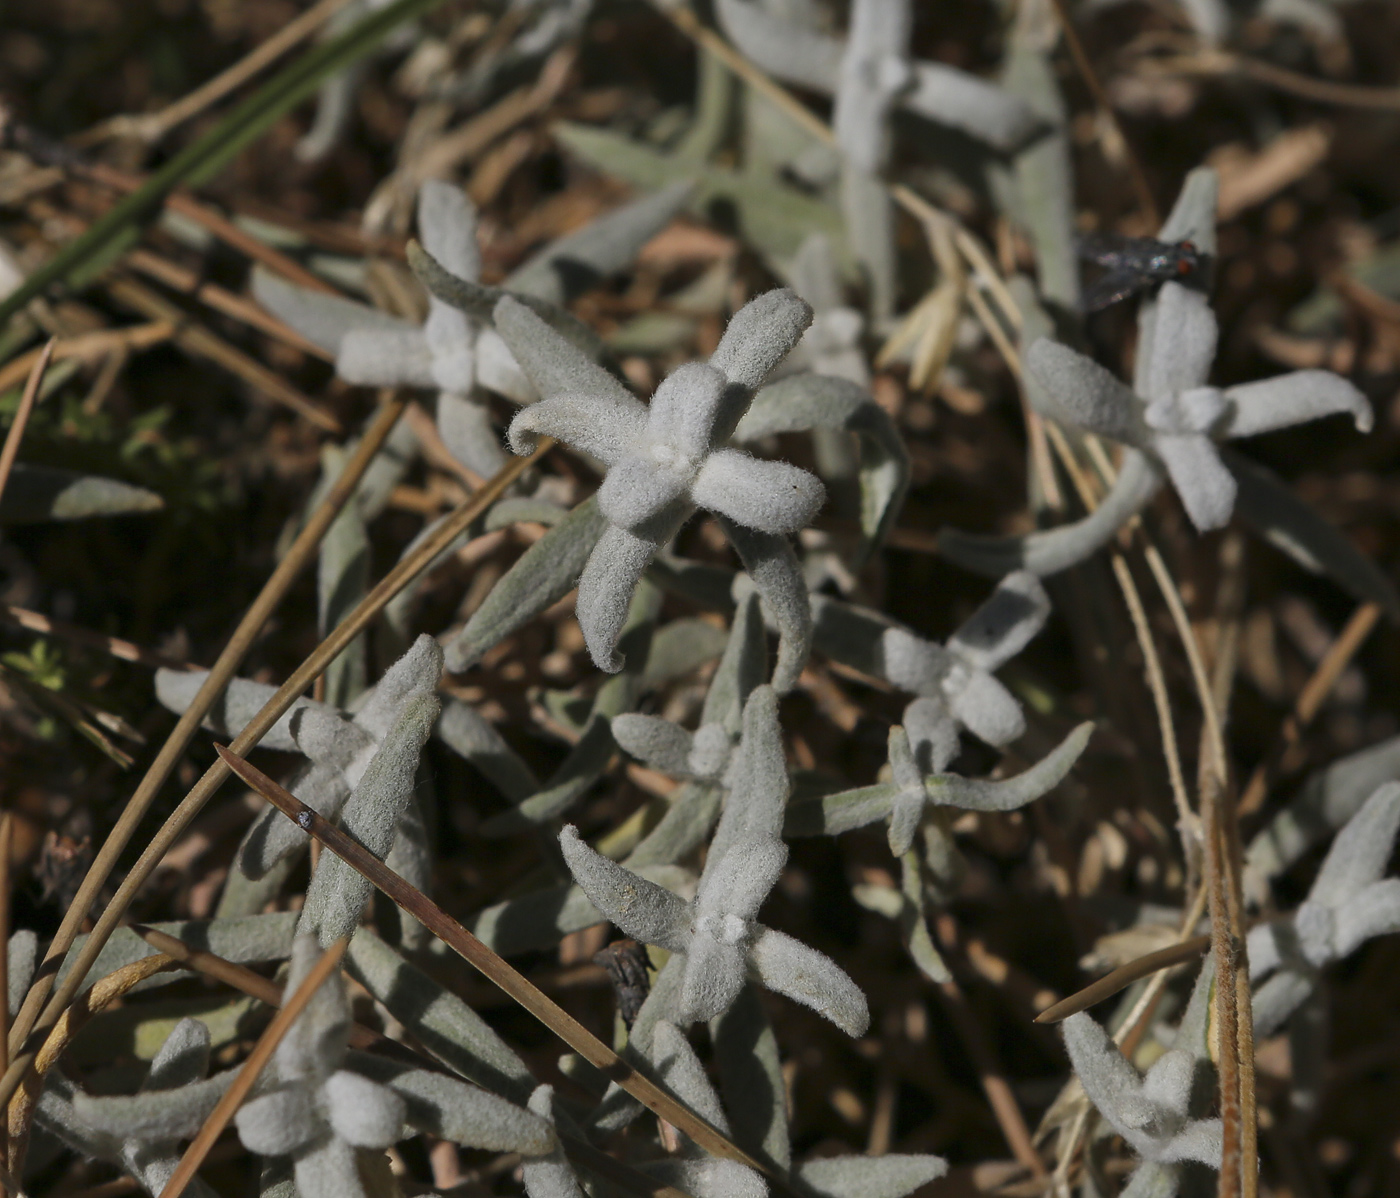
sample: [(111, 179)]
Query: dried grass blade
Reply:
[(504, 975), (1123, 977), (22, 413), (257, 1059)]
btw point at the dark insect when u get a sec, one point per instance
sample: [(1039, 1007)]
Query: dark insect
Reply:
[(1133, 264), (626, 962)]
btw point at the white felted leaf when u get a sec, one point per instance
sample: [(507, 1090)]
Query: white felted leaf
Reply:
[(414, 673), (661, 744), (338, 892), (1200, 1140), (782, 48), (774, 569), (552, 363), (741, 669), (273, 837), (278, 1123), (1004, 624), (605, 427), (572, 264), (683, 411), (605, 590), (891, 1176), (1049, 552), (315, 1045), (454, 1110), (833, 814), (1183, 345), (328, 1170), (770, 496), (910, 662), (466, 429), (644, 910), (759, 786), (1206, 486), (1168, 1082), (714, 967), (745, 1052), (162, 1114), (1192, 217), (440, 1021), (874, 70), (977, 795), (1087, 394), (335, 105), (986, 708), (1293, 526), (542, 575), (809, 402), (548, 1176), (1278, 998), (735, 885), (497, 370), (933, 733), (328, 739), (637, 488), (21, 955), (182, 1059), (447, 228), (788, 966), (709, 1178), (1360, 851), (1373, 912), (231, 711), (905, 813), (964, 102), (466, 732), (1290, 399), (386, 358), (1110, 1081), (683, 1074), (759, 336), (362, 1112), (323, 320)]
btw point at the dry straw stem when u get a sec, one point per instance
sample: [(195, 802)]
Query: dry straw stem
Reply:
[(36, 621), (6, 833), (1310, 698), (90, 346), (1324, 91), (22, 413), (153, 126), (302, 551), (1123, 977), (494, 967), (102, 994), (1086, 71), (257, 1059), (195, 339)]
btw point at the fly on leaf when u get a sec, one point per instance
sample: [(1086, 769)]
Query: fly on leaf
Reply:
[(1134, 264)]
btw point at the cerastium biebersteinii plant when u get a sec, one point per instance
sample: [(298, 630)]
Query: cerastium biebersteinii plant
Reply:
[(666, 460)]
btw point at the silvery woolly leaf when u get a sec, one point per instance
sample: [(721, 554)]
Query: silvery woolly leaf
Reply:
[(709, 1177), (759, 788), (659, 743), (783, 48), (891, 1176), (572, 264), (1359, 854), (1004, 624), (964, 102), (973, 794), (182, 1059), (548, 1176), (543, 574), (322, 319), (21, 955), (751, 1078), (439, 1020), (467, 430), (1327, 800), (790, 967), (521, 510), (36, 494), (682, 1072), (241, 700), (694, 809), (342, 578), (806, 402), (759, 336), (338, 892), (644, 910), (454, 1110), (773, 567), (1056, 549), (544, 917), (466, 732), (680, 647), (480, 302), (741, 668), (1293, 526), (170, 1114)]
